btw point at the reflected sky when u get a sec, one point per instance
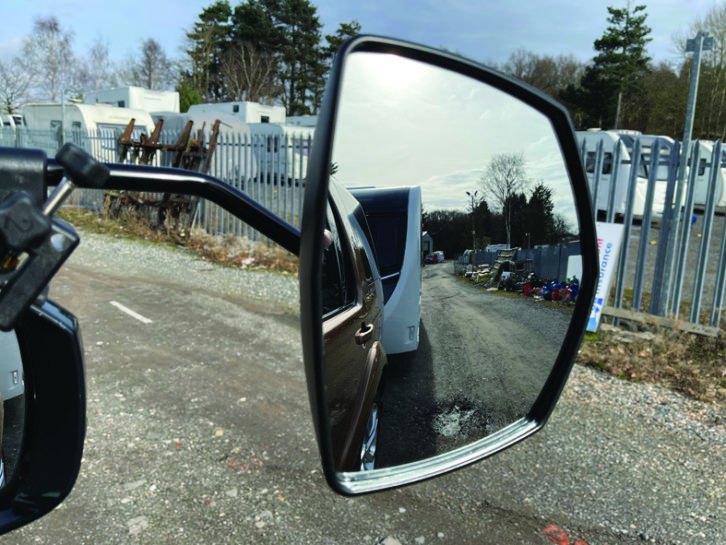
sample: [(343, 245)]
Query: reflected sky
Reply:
[(403, 122)]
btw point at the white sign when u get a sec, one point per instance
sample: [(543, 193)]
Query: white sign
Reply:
[(609, 236)]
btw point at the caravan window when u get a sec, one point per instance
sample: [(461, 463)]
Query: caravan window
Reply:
[(607, 162)]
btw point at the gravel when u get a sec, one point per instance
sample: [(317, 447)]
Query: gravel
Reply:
[(183, 266), (618, 462)]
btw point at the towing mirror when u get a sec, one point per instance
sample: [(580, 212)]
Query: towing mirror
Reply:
[(447, 264)]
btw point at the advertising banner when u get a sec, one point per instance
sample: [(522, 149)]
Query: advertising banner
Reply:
[(609, 237)]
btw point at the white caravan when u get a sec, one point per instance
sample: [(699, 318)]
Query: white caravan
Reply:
[(394, 218), (137, 98), (95, 127), (703, 176), (12, 121), (296, 139), (626, 140), (230, 158), (249, 112)]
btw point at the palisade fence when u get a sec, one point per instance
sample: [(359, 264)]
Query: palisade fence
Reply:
[(268, 168), (673, 252)]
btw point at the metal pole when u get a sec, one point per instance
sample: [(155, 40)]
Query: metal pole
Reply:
[(706, 234), (615, 168), (720, 279), (661, 277), (702, 42), (597, 173), (627, 226), (645, 227), (685, 234)]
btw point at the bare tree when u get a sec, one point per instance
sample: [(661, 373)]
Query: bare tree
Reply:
[(98, 71), (14, 85), (711, 112), (548, 74), (248, 72), (152, 69), (503, 179), (48, 58)]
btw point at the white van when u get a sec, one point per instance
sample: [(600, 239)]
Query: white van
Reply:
[(394, 217)]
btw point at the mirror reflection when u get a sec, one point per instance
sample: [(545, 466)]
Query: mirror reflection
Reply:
[(12, 405), (451, 265)]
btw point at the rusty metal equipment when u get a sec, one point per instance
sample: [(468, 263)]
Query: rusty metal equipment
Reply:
[(174, 211)]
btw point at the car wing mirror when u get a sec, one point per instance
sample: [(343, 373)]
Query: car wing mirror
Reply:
[(420, 153)]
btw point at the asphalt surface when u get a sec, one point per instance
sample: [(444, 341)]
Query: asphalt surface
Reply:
[(199, 431), (474, 372)]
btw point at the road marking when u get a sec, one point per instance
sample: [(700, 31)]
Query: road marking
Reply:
[(131, 313)]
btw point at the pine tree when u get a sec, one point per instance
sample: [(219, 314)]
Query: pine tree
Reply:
[(207, 43), (301, 56), (622, 61)]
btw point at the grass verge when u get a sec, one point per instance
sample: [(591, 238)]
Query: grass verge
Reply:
[(228, 250), (690, 364)]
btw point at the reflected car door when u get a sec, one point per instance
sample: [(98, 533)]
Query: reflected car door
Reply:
[(352, 316)]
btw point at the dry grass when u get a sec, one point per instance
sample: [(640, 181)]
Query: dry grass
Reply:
[(228, 250), (690, 364)]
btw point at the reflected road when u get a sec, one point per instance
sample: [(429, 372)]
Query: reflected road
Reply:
[(483, 357)]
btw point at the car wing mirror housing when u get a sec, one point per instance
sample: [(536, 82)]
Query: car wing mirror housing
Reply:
[(494, 160), (45, 421)]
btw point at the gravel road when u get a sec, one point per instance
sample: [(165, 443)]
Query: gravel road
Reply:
[(199, 432)]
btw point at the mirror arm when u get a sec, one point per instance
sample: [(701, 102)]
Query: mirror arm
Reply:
[(171, 180)]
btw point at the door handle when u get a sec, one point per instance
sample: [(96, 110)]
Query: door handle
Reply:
[(364, 334)]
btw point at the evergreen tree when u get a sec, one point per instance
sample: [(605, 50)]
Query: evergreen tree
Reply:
[(538, 218), (253, 23), (343, 33), (301, 57), (620, 64), (208, 41)]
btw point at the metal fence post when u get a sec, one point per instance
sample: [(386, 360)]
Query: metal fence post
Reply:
[(706, 234), (627, 227), (661, 274), (645, 228), (685, 234), (610, 213)]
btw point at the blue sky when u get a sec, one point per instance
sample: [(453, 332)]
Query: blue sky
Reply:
[(483, 31)]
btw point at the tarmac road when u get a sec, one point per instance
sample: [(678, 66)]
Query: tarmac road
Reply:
[(199, 431), (482, 360)]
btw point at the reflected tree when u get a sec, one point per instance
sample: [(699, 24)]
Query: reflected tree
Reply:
[(504, 178)]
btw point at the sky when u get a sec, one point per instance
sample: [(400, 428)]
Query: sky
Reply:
[(483, 31), (402, 122)]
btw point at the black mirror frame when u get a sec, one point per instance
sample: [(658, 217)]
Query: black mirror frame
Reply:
[(316, 195), (55, 415)]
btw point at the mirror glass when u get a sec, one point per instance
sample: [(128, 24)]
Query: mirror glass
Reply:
[(452, 261), (12, 405)]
